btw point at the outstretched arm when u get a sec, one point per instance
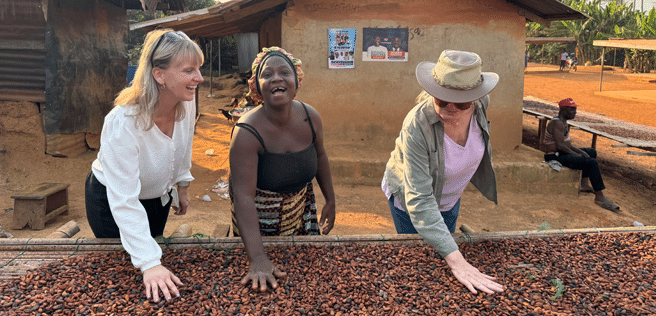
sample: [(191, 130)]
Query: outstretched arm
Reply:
[(423, 209), (243, 168)]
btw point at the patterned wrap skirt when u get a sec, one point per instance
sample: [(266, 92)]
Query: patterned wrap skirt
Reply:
[(283, 214)]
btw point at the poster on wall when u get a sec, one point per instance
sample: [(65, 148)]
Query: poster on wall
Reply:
[(341, 48), (384, 44)]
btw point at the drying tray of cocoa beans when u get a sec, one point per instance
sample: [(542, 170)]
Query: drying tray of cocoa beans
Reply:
[(551, 272), (631, 134)]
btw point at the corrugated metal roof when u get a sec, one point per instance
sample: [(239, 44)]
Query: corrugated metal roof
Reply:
[(22, 51), (240, 16), (549, 10), (223, 19), (163, 5)]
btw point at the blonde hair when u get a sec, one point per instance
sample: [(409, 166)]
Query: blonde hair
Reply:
[(160, 49), (423, 96)]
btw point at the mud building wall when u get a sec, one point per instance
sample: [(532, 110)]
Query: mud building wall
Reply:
[(368, 103)]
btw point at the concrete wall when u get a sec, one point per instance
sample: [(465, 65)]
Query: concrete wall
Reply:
[(370, 102)]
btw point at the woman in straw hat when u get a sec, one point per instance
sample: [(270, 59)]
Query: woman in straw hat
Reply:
[(443, 145), (276, 151), (145, 150)]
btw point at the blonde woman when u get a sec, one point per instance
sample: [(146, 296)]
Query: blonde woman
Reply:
[(145, 151)]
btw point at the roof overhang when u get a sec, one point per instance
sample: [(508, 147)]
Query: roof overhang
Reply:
[(649, 44), (546, 11), (160, 5), (223, 19), (241, 16), (544, 40)]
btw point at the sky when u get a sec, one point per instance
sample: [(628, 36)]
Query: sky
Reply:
[(648, 4)]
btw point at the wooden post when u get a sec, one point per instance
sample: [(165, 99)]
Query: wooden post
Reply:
[(211, 69), (601, 80), (594, 141), (183, 231), (67, 230), (218, 47), (542, 128)]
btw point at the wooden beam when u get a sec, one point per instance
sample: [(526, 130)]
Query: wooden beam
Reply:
[(207, 30), (534, 17), (219, 32), (189, 26), (645, 44), (544, 40), (640, 153), (199, 19)]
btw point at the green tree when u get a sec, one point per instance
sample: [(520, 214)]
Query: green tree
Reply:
[(640, 60), (601, 25), (135, 38)]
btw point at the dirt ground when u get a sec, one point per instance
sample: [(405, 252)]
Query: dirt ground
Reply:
[(630, 179)]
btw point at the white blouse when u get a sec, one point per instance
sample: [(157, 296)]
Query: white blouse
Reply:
[(135, 164)]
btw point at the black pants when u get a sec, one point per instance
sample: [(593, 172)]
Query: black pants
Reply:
[(588, 165), (100, 216)]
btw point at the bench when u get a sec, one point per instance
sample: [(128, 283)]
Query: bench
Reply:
[(542, 128), (39, 205)]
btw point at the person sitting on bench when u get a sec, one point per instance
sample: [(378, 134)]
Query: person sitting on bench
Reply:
[(557, 146)]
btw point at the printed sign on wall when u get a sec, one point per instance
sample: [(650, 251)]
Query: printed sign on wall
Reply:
[(384, 44), (341, 48)]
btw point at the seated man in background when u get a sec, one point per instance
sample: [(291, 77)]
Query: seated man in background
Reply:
[(558, 146)]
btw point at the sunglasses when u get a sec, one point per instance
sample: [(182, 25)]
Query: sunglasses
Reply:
[(460, 106), (179, 34)]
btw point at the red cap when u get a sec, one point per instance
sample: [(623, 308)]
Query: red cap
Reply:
[(567, 102)]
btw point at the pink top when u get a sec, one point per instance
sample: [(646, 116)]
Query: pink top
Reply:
[(460, 164)]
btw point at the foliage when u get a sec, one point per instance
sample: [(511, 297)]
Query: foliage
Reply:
[(193, 5), (544, 226), (135, 38), (560, 288), (607, 19)]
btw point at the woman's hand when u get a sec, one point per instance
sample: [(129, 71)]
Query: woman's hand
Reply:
[(469, 276), (183, 199), (260, 271), (327, 221), (160, 278)]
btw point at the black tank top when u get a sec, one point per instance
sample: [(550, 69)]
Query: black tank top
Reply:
[(285, 172)]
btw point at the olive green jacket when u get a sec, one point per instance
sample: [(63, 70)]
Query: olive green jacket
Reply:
[(415, 171)]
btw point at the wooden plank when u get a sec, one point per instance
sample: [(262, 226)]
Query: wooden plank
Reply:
[(534, 17), (93, 244), (544, 40), (640, 153), (66, 145), (536, 113), (635, 44), (55, 212), (42, 191)]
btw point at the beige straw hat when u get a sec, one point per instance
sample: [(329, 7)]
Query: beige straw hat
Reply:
[(456, 77)]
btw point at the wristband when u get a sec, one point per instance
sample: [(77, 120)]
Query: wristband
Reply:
[(183, 183)]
